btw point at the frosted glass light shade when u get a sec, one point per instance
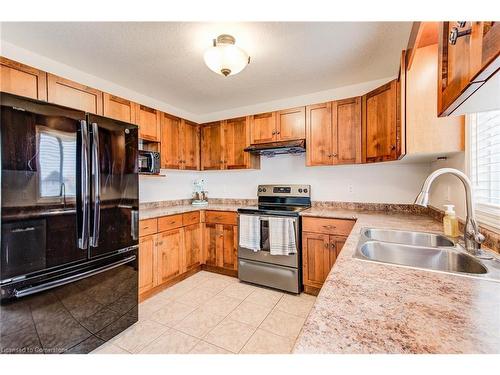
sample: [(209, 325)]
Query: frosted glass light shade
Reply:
[(226, 58)]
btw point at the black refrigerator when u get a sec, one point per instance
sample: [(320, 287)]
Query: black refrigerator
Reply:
[(69, 238)]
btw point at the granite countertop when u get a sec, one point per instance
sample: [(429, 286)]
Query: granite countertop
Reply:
[(150, 213), (366, 307)]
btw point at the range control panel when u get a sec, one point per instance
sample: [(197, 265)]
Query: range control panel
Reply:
[(284, 191)]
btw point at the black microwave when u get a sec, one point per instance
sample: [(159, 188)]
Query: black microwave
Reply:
[(149, 162)]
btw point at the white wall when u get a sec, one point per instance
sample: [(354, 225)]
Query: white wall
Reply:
[(449, 189), (391, 182)]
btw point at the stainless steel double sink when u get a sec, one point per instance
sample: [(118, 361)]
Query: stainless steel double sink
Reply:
[(422, 250)]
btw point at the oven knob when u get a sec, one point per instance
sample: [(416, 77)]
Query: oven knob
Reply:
[(264, 190), (305, 190), (300, 190), (260, 190)]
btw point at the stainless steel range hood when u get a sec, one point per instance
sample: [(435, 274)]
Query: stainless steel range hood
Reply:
[(277, 148)]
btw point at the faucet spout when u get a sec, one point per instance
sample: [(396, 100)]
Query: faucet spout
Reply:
[(472, 237)]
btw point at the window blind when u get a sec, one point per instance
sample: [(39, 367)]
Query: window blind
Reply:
[(485, 157)]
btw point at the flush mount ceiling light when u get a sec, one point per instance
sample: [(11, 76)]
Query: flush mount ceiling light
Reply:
[(224, 57)]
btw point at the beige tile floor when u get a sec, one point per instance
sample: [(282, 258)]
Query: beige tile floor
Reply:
[(209, 313)]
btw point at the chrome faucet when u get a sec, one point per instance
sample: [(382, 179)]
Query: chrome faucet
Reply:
[(472, 237)]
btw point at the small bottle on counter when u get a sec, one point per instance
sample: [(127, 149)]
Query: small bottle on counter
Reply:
[(450, 221)]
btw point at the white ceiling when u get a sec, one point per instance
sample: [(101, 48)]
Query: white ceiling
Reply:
[(165, 60)]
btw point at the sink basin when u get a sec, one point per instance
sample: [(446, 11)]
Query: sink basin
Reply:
[(438, 259), (408, 238)]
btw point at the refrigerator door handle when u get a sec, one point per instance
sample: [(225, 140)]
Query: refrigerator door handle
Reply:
[(84, 187), (96, 183)]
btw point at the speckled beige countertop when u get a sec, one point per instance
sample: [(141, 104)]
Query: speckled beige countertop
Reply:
[(367, 307), (148, 213)]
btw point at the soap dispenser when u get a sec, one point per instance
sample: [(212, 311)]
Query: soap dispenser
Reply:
[(450, 221)]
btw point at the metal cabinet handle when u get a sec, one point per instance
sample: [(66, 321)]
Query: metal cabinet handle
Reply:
[(145, 227), (455, 33), (329, 226), (393, 147), (274, 132), (326, 245), (334, 154), (333, 245)]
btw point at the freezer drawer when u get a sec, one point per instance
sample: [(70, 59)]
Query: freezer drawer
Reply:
[(291, 260), (270, 275)]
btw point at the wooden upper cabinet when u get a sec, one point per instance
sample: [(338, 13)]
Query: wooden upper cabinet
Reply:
[(74, 95), (170, 142), (236, 137), (380, 124), (234, 143), (485, 49), (148, 120), (190, 146), (426, 133), (118, 108), (211, 140), (263, 128), (291, 124), (23, 80), (319, 134), (346, 123), (465, 61)]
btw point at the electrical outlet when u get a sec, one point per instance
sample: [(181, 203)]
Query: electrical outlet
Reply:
[(350, 188)]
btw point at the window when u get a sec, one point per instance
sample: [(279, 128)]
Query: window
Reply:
[(57, 163), (484, 165)]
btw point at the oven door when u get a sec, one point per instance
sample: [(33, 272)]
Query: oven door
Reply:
[(264, 255)]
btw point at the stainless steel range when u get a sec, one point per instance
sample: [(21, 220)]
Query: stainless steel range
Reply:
[(259, 265)]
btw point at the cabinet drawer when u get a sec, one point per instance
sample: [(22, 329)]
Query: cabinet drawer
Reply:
[(169, 222), (147, 227), (221, 217), (190, 218), (328, 226)]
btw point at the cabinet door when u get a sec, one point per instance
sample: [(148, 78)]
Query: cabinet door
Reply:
[(74, 95), (148, 120), (212, 240), (315, 258), (263, 128), (485, 49), (147, 266), (291, 124), (380, 124), (190, 146), (235, 137), (192, 246), (211, 144), (228, 257), (23, 80), (346, 120), (336, 245), (118, 108), (454, 68), (170, 142), (319, 134), (169, 255)]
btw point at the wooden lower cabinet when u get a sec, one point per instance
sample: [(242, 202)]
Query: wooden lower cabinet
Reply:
[(192, 246), (221, 246), (322, 242), (175, 246), (147, 263), (169, 255)]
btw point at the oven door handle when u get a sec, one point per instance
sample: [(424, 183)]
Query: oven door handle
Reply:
[(69, 279), (96, 184)]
